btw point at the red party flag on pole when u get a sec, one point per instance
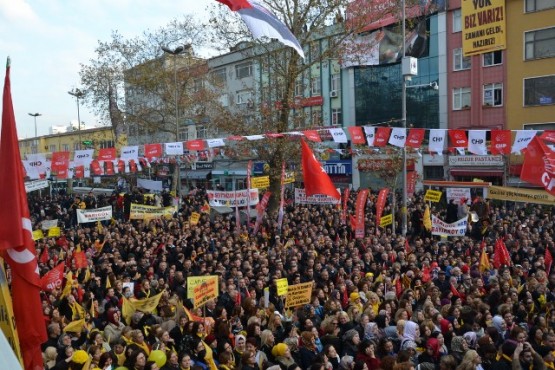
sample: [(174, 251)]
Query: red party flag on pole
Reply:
[(316, 180), (16, 240)]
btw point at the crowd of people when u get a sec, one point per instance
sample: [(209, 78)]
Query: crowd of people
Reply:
[(378, 302)]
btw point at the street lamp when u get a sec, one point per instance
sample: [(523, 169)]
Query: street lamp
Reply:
[(78, 94), (175, 52), (35, 115)]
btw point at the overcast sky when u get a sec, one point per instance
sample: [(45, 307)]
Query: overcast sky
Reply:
[(48, 39)]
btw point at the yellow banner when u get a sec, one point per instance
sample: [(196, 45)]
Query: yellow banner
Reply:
[(386, 220), (147, 305), (433, 195), (298, 294), (261, 182), (194, 219), (289, 178), (38, 234), (193, 281), (7, 319), (206, 291), (520, 195), (144, 212), (75, 326), (54, 231), (282, 286), (483, 26)]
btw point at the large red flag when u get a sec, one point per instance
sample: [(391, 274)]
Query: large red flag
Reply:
[(316, 180), (380, 204), (16, 240), (359, 213), (548, 260), (533, 168), (53, 278)]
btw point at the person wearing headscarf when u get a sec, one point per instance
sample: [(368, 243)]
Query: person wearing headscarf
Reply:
[(500, 325), (411, 332), (351, 340), (371, 331), (458, 348), (240, 347), (431, 354), (471, 339), (114, 327)]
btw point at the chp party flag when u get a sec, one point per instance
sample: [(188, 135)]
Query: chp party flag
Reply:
[(500, 142), (16, 240), (458, 138), (415, 138), (436, 141), (262, 23), (53, 279), (357, 136), (477, 142), (316, 180)]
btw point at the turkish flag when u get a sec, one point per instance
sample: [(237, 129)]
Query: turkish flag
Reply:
[(458, 138), (16, 240), (357, 136), (415, 138), (106, 154), (153, 151), (312, 135), (60, 164), (382, 136), (53, 278), (500, 142), (316, 180), (195, 145)]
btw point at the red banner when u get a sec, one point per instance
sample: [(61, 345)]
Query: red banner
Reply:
[(357, 136), (95, 168), (121, 166), (411, 182), (195, 144), (260, 209), (80, 260), (60, 164), (346, 195), (382, 136), (415, 138), (106, 154), (360, 205), (53, 278), (79, 172), (458, 138), (380, 204), (109, 168), (132, 166), (501, 255), (312, 135), (500, 142), (153, 151)]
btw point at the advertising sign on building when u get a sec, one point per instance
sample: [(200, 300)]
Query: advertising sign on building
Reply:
[(476, 160), (483, 26)]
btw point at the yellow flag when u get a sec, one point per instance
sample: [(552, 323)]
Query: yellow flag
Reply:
[(379, 279), (87, 275), (99, 227), (108, 282), (484, 261), (127, 310), (69, 283), (427, 219), (75, 326), (147, 304)]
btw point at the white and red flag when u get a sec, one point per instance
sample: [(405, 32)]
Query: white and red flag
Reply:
[(263, 23), (16, 240)]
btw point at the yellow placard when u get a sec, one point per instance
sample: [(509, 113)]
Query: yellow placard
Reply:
[(433, 195), (261, 182), (520, 195), (38, 234), (144, 212), (484, 26), (289, 178), (54, 231), (282, 286), (194, 219), (193, 281), (298, 294), (7, 318), (386, 220), (205, 291)]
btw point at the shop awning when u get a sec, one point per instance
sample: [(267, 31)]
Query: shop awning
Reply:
[(196, 175), (477, 172)]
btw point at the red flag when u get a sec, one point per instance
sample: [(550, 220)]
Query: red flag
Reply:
[(60, 164), (501, 255), (548, 135), (53, 278), (195, 144), (353, 221), (121, 166), (95, 168), (380, 204), (79, 172), (408, 249), (458, 138), (415, 138), (398, 287), (382, 136), (359, 212), (312, 135), (500, 142), (456, 293), (16, 241), (80, 259), (533, 167), (548, 260), (44, 255), (132, 166), (316, 180), (109, 168), (153, 151), (357, 136), (106, 154)]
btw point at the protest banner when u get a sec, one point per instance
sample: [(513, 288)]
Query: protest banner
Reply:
[(442, 228), (35, 185), (386, 220), (94, 215), (48, 224), (520, 195), (144, 212), (298, 294), (282, 286), (301, 198), (458, 194), (206, 291), (236, 198), (194, 219), (54, 231), (193, 281), (38, 234), (261, 182), (433, 195), (484, 26)]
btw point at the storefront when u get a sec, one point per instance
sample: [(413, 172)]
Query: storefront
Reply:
[(340, 172), (488, 168)]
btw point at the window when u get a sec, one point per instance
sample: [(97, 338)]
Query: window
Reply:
[(299, 87), (540, 44), (434, 173), (457, 21), (34, 150), (316, 118), (224, 100), (539, 91), (219, 76), (314, 51), (315, 87), (537, 5), (202, 132), (493, 58), (76, 146), (198, 84), (461, 98), (243, 70), (336, 117), (106, 144), (65, 147), (243, 97), (460, 62), (53, 147), (183, 134), (493, 94), (336, 82)]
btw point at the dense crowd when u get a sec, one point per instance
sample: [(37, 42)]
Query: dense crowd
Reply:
[(379, 302)]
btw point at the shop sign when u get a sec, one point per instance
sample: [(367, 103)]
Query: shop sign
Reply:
[(476, 160)]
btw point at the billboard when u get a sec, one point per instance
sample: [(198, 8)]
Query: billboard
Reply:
[(483, 26)]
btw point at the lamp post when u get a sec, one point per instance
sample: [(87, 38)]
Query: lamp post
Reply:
[(35, 115), (175, 52), (78, 94)]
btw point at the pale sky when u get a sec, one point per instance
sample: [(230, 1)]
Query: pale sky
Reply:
[(48, 39)]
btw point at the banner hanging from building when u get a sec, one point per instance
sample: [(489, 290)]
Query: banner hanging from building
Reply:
[(301, 198), (483, 26), (232, 198), (520, 195), (93, 215), (442, 228)]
